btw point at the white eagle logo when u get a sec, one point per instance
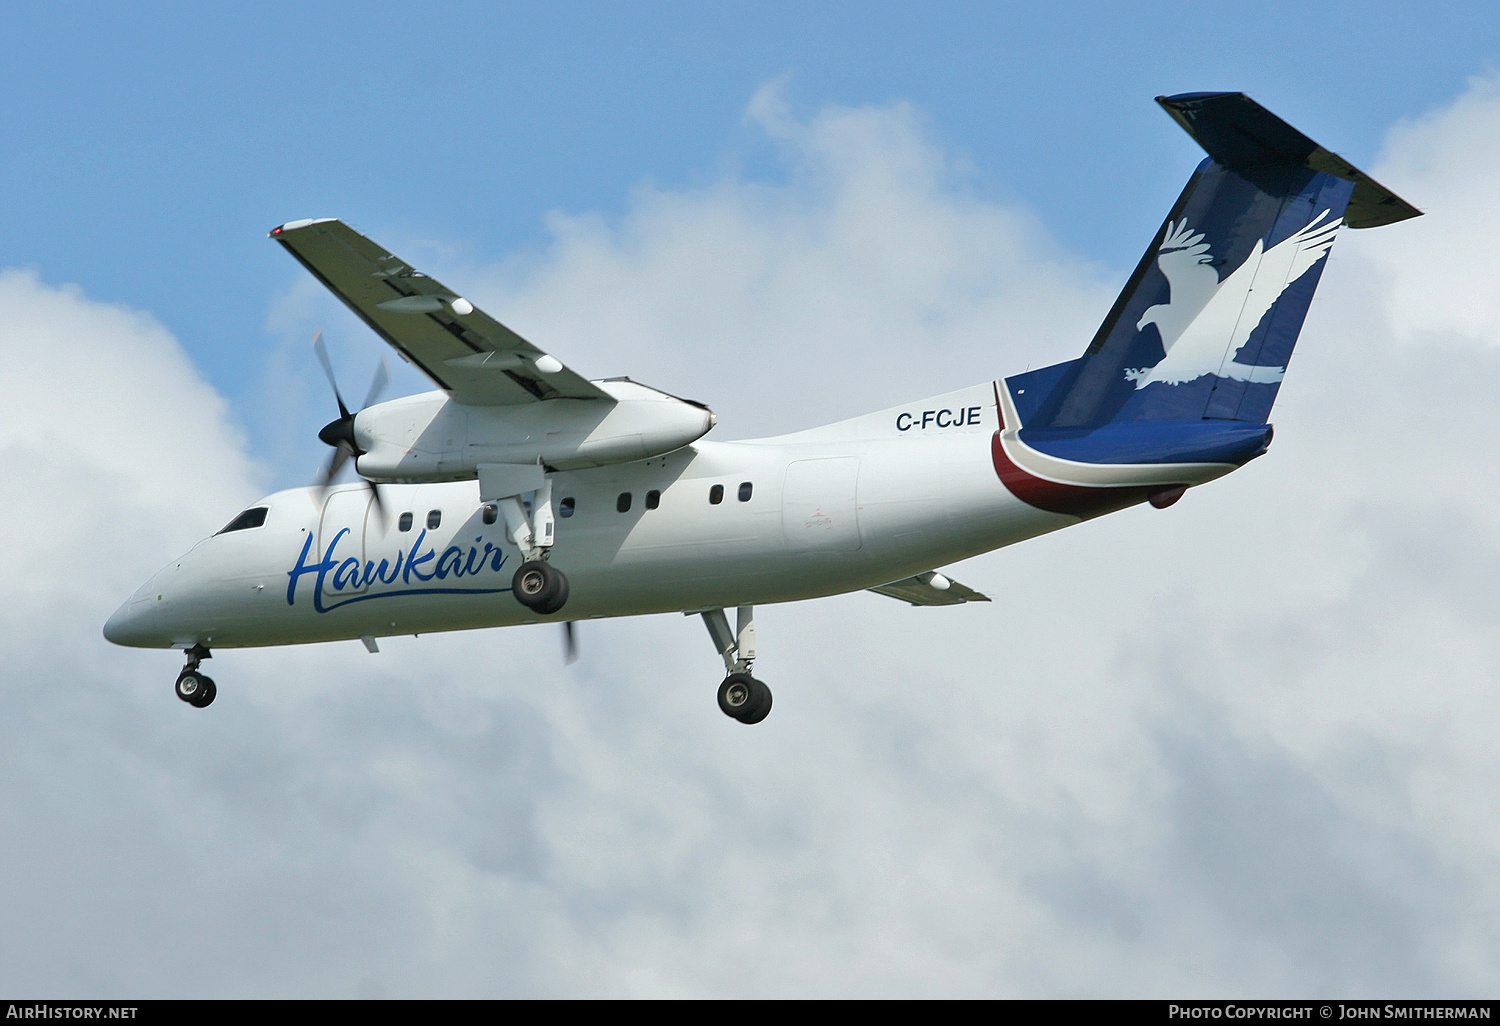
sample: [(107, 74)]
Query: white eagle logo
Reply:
[(1205, 320)]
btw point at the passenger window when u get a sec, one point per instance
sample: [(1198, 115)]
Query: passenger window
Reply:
[(716, 495), (745, 489), (404, 524), (622, 504), (565, 508), (491, 511), (250, 518), (653, 499), (434, 517)]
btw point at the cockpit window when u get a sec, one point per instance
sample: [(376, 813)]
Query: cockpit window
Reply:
[(255, 517)]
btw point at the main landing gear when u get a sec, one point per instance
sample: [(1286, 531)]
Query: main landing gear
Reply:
[(194, 688), (741, 696), (540, 586), (537, 585)]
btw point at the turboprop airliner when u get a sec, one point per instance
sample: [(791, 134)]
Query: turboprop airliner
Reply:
[(520, 492)]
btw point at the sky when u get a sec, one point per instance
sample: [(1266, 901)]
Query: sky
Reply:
[(1242, 746)]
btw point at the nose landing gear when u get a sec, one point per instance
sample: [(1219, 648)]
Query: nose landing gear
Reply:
[(194, 688), (741, 696)]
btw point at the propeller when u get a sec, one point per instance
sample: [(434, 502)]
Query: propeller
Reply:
[(340, 433), (570, 642)]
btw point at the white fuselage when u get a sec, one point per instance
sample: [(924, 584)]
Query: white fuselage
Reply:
[(835, 509)]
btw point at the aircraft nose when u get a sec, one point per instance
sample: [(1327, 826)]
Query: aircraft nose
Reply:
[(135, 623)]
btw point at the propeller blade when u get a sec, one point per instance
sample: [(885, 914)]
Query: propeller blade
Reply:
[(570, 642), (322, 350), (336, 462), (377, 502), (340, 433), (377, 385)]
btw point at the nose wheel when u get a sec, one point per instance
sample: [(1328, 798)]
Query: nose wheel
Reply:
[(194, 688)]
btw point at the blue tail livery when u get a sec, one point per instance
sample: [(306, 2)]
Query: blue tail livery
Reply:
[(1187, 364)]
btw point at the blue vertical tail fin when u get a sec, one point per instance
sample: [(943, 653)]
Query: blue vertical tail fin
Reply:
[(1205, 326)]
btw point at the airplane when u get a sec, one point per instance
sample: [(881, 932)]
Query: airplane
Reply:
[(520, 492)]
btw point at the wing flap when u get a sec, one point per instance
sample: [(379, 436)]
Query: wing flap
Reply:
[(923, 590), (427, 323)]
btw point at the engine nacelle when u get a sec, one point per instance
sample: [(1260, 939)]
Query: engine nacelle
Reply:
[(429, 437)]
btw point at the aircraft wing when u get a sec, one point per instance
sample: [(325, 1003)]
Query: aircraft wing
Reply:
[(924, 590), (465, 351)]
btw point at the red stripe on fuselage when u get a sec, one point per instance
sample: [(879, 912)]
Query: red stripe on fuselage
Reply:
[(1083, 501)]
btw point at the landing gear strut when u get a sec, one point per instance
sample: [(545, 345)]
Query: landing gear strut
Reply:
[(194, 688), (538, 585), (741, 696)]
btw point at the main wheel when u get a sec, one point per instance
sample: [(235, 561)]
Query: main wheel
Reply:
[(561, 598), (195, 689), (540, 586), (744, 698)]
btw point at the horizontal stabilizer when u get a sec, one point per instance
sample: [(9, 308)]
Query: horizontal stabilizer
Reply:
[(1242, 135), (930, 589)]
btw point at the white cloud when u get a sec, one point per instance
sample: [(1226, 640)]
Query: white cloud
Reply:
[(1445, 285), (872, 276), (1241, 745), (115, 453)]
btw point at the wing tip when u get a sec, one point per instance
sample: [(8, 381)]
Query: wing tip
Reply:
[(292, 226)]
